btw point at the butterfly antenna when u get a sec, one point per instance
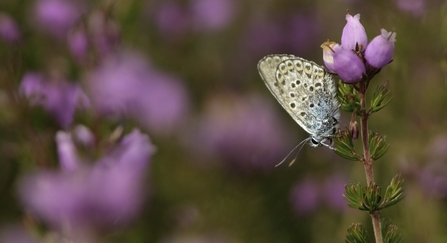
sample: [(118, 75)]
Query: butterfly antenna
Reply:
[(300, 145)]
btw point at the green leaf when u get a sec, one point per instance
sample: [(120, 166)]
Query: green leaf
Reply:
[(381, 98), (357, 234), (394, 192), (344, 146), (377, 145), (390, 232), (354, 196), (365, 198), (349, 97)]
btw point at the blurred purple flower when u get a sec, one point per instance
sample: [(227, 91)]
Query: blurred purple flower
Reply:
[(56, 17), (244, 131), (66, 149), (305, 197), (172, 19), (348, 66), (300, 31), (263, 36), (108, 194), (433, 179), (83, 136), (59, 98), (438, 148), (212, 14), (78, 43), (333, 190), (353, 33), (415, 7), (292, 33), (105, 33), (126, 84), (9, 31), (309, 194), (380, 50)]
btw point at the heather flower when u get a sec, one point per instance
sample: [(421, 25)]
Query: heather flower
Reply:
[(262, 36), (299, 31), (212, 14), (104, 32), (305, 196), (309, 194), (56, 16), (333, 190), (415, 7), (83, 136), (59, 98), (172, 19), (380, 50), (126, 85), (348, 66), (68, 158), (78, 43), (107, 194), (354, 33), (244, 131), (329, 49), (9, 31)]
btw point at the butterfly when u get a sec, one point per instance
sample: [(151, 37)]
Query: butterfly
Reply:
[(307, 92)]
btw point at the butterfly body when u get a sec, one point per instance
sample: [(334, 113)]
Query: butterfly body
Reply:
[(306, 91)]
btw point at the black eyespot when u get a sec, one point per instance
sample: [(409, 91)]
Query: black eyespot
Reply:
[(335, 121)]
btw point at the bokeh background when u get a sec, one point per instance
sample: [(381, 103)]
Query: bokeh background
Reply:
[(184, 73)]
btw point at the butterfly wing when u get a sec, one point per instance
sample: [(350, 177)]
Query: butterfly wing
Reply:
[(304, 90)]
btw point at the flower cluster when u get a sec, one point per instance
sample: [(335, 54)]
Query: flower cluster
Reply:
[(355, 58), (80, 198)]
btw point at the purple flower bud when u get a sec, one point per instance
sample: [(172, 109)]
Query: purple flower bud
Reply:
[(329, 49), (380, 51), (353, 33), (348, 65)]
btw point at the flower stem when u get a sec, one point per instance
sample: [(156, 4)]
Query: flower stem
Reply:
[(367, 161)]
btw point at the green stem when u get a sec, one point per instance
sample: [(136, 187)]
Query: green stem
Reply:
[(367, 161)]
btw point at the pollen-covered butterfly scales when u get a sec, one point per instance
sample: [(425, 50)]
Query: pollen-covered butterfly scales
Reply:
[(306, 91)]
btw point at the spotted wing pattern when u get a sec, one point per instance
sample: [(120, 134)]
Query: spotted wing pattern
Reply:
[(306, 91)]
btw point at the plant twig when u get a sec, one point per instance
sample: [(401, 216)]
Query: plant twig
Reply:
[(367, 161)]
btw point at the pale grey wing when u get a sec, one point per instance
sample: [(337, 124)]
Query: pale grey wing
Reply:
[(310, 95), (267, 68)]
